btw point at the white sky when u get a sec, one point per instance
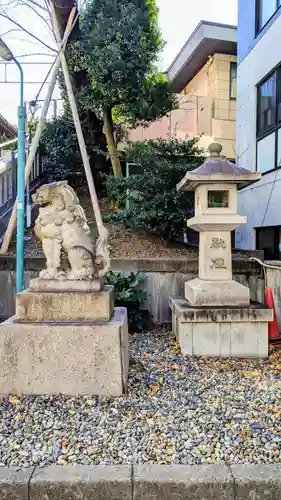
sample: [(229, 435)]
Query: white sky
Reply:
[(178, 18)]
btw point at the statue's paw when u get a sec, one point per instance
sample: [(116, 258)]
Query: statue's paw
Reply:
[(61, 275), (52, 274), (79, 275), (48, 274)]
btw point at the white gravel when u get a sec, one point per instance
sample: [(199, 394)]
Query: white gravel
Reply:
[(178, 410)]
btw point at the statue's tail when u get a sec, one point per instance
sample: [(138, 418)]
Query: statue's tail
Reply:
[(102, 258)]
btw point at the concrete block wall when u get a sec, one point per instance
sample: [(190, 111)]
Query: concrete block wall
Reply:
[(164, 277)]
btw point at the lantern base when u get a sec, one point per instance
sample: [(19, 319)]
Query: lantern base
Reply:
[(200, 292), (228, 332)]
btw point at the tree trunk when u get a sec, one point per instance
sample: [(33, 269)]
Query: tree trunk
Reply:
[(111, 146)]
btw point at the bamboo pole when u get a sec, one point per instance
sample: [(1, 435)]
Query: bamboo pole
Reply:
[(40, 127), (77, 123), (101, 245)]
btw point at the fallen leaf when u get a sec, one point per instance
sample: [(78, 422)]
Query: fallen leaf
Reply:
[(158, 414), (64, 443), (244, 436), (250, 374), (274, 410), (145, 355), (14, 400), (154, 388)]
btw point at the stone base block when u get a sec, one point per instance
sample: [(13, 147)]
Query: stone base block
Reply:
[(42, 285), (237, 332), (214, 293), (65, 306), (68, 358)]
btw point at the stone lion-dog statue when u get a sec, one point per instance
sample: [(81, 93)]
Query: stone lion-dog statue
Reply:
[(62, 226)]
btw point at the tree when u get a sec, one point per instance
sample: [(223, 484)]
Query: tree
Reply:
[(119, 46), (155, 205)]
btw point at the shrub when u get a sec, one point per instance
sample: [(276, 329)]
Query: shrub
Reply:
[(128, 293), (155, 204), (60, 146)]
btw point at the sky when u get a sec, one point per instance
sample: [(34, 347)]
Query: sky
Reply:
[(177, 19)]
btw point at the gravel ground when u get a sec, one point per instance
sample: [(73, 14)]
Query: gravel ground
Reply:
[(178, 410)]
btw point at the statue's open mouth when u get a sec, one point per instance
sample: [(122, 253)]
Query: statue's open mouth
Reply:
[(44, 203)]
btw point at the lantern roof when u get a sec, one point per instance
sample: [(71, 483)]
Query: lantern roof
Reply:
[(216, 169)]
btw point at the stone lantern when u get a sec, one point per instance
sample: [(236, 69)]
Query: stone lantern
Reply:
[(216, 316)]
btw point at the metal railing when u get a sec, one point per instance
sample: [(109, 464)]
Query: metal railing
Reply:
[(8, 182)]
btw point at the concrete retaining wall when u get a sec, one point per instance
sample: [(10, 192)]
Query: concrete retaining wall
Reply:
[(165, 277), (142, 482)]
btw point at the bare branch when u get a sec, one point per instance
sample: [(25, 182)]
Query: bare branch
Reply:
[(26, 4), (9, 4), (5, 16), (10, 31), (37, 5), (35, 54)]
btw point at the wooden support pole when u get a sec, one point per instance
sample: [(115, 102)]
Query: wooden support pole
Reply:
[(101, 245)]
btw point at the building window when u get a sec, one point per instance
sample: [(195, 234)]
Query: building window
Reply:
[(266, 104), (266, 153), (269, 123), (268, 239), (265, 10), (233, 80)]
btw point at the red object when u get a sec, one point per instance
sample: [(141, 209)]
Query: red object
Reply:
[(273, 328)]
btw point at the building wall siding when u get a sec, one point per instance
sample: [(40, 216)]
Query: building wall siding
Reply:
[(261, 203), (247, 38), (205, 108)]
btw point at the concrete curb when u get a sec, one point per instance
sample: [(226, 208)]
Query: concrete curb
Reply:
[(142, 482)]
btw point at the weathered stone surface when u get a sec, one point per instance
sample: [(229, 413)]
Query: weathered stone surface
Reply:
[(216, 293), (217, 331), (178, 482), (14, 483), (259, 482), (74, 482), (62, 226), (215, 246), (187, 312), (41, 285), (65, 306), (72, 358)]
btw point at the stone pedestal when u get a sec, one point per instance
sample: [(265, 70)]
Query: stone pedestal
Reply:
[(70, 342), (232, 331), (65, 306)]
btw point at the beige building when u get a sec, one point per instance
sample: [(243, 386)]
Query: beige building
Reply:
[(204, 76)]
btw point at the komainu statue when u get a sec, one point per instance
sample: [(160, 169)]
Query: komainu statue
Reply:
[(62, 227)]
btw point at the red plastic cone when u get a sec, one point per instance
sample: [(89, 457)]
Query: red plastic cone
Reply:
[(273, 328)]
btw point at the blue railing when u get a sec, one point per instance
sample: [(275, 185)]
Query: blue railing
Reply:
[(8, 183)]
